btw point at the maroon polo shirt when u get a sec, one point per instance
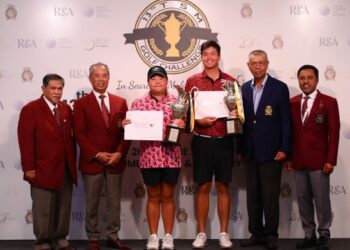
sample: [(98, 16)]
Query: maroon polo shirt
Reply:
[(205, 83)]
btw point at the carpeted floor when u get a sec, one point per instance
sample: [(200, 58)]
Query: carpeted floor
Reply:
[(288, 244)]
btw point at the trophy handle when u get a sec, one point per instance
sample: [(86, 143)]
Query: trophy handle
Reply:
[(161, 27), (194, 91), (184, 24)]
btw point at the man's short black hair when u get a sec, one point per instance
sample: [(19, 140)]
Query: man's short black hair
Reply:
[(210, 43), (50, 77), (307, 66)]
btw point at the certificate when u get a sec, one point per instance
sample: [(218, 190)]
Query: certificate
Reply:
[(210, 103), (144, 126)]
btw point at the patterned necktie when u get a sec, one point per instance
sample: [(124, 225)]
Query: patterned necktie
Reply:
[(57, 116), (304, 107), (104, 110)]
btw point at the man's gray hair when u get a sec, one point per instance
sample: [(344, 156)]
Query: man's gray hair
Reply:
[(99, 64), (258, 52)]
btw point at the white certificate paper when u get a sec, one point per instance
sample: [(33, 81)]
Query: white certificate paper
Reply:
[(145, 126), (210, 103)]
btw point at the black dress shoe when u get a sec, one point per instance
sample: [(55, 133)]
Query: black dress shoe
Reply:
[(323, 243), (307, 242), (271, 244), (252, 241)]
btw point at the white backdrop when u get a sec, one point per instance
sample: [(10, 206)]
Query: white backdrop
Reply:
[(66, 37)]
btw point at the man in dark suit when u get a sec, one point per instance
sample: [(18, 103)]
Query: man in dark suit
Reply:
[(264, 145), (48, 161), (98, 128), (316, 125)]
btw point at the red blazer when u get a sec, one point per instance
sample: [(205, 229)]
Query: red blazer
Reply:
[(93, 136), (44, 146), (315, 142)]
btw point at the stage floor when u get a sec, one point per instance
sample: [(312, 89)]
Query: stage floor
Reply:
[(287, 244)]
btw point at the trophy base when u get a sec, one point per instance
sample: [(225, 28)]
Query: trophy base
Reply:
[(173, 134), (234, 126)]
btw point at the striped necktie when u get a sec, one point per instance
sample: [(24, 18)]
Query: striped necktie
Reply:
[(104, 110)]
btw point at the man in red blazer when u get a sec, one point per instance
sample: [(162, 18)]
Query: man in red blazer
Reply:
[(48, 161), (99, 132), (316, 125)]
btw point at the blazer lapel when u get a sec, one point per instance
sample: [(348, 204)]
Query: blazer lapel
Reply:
[(298, 111), (264, 97), (314, 108), (96, 106), (250, 101), (49, 115)]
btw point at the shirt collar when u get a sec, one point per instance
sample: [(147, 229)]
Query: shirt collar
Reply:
[(51, 106), (263, 82), (165, 98), (312, 95), (204, 75), (97, 95)]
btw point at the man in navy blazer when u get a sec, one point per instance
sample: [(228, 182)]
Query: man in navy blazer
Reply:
[(263, 147)]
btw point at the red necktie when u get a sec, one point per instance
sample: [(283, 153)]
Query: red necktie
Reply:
[(304, 107), (104, 110), (57, 116)]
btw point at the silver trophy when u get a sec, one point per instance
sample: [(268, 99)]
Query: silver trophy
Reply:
[(233, 101), (173, 132)]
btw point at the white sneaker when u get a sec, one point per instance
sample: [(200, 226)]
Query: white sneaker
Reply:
[(168, 242), (224, 240), (153, 242), (200, 241)]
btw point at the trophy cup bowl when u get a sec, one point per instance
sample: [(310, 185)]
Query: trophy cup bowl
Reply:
[(172, 28), (173, 132), (233, 124)]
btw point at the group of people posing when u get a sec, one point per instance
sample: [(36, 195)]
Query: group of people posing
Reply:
[(301, 133)]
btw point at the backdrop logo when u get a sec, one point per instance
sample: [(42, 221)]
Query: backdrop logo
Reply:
[(25, 43), (286, 190), (169, 34), (181, 215), (346, 133), (29, 217), (328, 41), (139, 191), (246, 11), (63, 11), (11, 12), (187, 190), (236, 215), (88, 11), (27, 74), (17, 164), (337, 190), (277, 42), (330, 73), (299, 10)]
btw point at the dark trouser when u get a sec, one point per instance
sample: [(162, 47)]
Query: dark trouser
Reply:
[(263, 189), (313, 187), (51, 215), (93, 188)]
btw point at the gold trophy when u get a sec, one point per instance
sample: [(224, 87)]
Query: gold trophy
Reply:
[(172, 28), (233, 100), (173, 132)]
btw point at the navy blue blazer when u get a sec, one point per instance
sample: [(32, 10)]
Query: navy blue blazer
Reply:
[(269, 130)]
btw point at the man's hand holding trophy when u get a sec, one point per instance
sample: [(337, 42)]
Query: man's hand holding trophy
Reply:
[(234, 104)]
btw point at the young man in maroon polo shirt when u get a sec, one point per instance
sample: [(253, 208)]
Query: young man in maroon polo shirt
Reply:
[(212, 150)]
